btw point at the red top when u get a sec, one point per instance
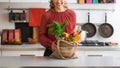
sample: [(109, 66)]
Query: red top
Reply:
[(48, 18)]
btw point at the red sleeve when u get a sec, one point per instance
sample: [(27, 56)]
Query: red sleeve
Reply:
[(74, 19), (44, 40), (71, 17)]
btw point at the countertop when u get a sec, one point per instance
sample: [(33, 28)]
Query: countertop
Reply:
[(39, 61), (40, 47)]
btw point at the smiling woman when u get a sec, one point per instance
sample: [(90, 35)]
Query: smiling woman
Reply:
[(58, 12), (58, 4)]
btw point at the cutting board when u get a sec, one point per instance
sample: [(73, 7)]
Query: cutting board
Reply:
[(36, 33)]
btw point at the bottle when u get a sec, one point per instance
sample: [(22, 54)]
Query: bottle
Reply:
[(94, 1), (81, 1), (11, 16), (23, 15)]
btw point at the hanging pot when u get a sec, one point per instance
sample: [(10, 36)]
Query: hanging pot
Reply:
[(89, 28), (106, 30)]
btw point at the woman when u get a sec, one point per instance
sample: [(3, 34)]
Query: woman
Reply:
[(58, 12)]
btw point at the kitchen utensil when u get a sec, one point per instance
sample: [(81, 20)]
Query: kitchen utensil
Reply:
[(89, 27), (83, 35), (36, 33), (106, 30)]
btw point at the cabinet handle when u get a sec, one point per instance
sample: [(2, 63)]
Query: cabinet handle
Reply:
[(27, 55), (94, 55)]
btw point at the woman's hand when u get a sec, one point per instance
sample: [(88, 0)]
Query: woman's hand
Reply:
[(53, 46)]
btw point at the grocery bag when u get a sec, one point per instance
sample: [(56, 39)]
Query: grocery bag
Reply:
[(65, 50)]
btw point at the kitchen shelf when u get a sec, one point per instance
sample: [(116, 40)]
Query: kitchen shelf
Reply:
[(74, 6), (24, 21), (74, 9), (96, 1), (96, 24), (17, 8), (15, 16), (94, 7)]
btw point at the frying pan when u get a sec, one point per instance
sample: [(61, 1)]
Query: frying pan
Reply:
[(106, 30), (89, 27)]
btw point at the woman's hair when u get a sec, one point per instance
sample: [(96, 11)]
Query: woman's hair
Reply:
[(52, 5)]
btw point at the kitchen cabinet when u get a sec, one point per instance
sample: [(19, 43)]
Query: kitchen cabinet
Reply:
[(102, 53), (98, 51), (0, 53), (22, 53), (47, 62), (38, 50), (22, 50), (80, 53), (4, 0)]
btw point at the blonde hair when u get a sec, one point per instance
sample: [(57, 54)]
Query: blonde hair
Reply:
[(52, 5)]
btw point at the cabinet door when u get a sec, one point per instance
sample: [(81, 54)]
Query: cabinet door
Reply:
[(102, 53), (29, 1), (79, 53), (4, 0), (0, 53), (93, 53), (22, 53), (111, 53)]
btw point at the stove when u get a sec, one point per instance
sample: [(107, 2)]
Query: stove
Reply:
[(93, 43)]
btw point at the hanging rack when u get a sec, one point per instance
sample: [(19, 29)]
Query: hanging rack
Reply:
[(17, 8), (73, 9)]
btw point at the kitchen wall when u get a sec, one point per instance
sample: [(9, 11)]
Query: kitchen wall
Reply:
[(97, 16)]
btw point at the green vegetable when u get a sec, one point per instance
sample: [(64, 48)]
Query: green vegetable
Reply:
[(70, 38), (57, 28), (64, 24)]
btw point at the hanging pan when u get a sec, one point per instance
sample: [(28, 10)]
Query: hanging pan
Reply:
[(89, 27), (106, 30)]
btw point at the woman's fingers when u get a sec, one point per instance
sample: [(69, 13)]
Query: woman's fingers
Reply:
[(53, 46)]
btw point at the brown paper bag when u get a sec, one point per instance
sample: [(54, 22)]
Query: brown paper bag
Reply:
[(65, 50)]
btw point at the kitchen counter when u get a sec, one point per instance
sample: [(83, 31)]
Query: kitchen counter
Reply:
[(40, 47), (39, 61)]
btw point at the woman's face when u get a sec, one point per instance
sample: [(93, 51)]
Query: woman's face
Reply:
[(58, 3)]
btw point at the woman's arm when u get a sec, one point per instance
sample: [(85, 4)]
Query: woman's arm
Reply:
[(44, 40)]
